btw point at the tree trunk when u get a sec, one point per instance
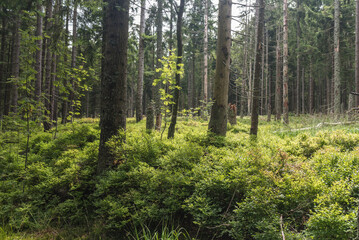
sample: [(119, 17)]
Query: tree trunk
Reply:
[(303, 91), (278, 85), (141, 63), (114, 77), (357, 51), (2, 63), (298, 60), (218, 120), (159, 22), (285, 63), (337, 94), (268, 80), (65, 103), (48, 64), (38, 60), (257, 69), (171, 129), (205, 54), (311, 89), (73, 61), (15, 71)]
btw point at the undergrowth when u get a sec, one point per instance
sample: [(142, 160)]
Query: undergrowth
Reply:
[(303, 184)]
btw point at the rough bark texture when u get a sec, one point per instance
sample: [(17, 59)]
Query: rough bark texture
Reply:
[(141, 63), (65, 103), (218, 120), (257, 69), (285, 63), (171, 129), (336, 59), (278, 85), (114, 76)]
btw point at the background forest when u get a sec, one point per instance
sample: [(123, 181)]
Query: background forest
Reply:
[(89, 90)]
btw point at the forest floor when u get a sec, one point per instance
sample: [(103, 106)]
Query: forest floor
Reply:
[(299, 181)]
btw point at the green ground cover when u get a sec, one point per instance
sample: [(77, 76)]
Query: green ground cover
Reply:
[(301, 183)]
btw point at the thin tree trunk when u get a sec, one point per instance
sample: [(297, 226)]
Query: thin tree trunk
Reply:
[(171, 129), (337, 94), (73, 61), (285, 63), (262, 93), (311, 89), (141, 64), (258, 67), (15, 71), (357, 51), (2, 63), (48, 64), (278, 85), (114, 77), (218, 120), (38, 61), (65, 103), (159, 22), (303, 91), (298, 60), (205, 54), (268, 80)]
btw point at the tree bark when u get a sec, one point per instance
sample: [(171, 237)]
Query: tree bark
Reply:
[(171, 129), (65, 102), (218, 120), (159, 53), (285, 63), (141, 63), (257, 69), (114, 77), (311, 89), (278, 85), (337, 94), (357, 50), (205, 54), (73, 84), (38, 61), (15, 71), (298, 60), (2, 63)]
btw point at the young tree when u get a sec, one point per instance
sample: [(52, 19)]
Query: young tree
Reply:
[(218, 120), (114, 76), (171, 129), (257, 69)]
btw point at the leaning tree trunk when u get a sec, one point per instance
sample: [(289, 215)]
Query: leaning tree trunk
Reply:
[(114, 77), (257, 69), (141, 64), (218, 120), (337, 94), (171, 129), (285, 63)]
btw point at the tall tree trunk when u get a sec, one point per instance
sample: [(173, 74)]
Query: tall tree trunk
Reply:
[(205, 54), (257, 69), (48, 64), (268, 80), (171, 129), (357, 50), (113, 77), (73, 61), (38, 60), (262, 92), (65, 103), (2, 63), (298, 60), (218, 120), (285, 63), (159, 53), (141, 63), (15, 71), (278, 85), (311, 89), (303, 91), (337, 94)]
